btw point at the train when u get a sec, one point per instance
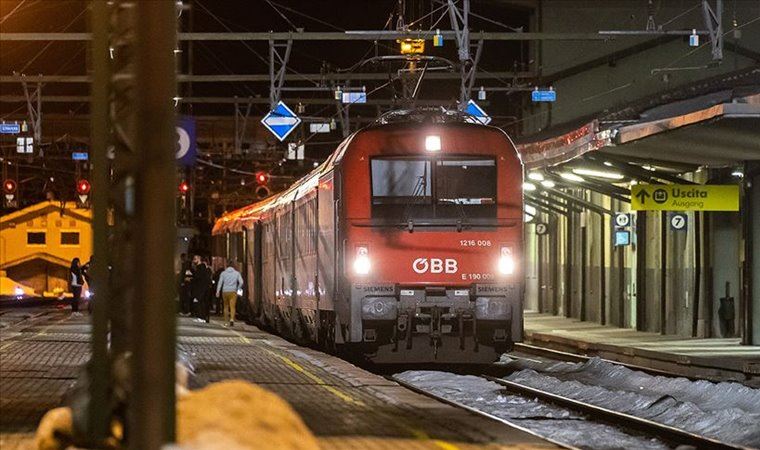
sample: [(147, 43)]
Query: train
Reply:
[(403, 246)]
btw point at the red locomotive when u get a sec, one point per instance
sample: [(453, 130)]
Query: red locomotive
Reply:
[(405, 244)]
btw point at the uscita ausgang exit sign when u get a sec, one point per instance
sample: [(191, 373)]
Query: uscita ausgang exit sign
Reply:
[(680, 197)]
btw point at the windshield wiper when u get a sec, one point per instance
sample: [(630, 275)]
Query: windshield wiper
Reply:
[(420, 189)]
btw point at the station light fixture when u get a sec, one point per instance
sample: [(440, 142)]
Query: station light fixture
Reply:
[(412, 46), (548, 184), (530, 213), (9, 186), (184, 187), (506, 260), (83, 187), (571, 177), (536, 176), (433, 143), (737, 172), (608, 164), (361, 262), (599, 174), (530, 187)]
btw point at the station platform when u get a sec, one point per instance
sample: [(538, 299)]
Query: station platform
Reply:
[(713, 359), (344, 406)]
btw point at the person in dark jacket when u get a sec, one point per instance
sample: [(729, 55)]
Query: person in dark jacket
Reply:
[(76, 281), (199, 289), (185, 280)]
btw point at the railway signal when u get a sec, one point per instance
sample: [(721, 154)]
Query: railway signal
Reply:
[(9, 191), (262, 178), (83, 192), (184, 187)]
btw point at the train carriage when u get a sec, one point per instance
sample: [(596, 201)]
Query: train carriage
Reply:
[(405, 245)]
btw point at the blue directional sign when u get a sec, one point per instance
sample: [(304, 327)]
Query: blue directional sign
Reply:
[(10, 128), (622, 238), (281, 121), (354, 97), (186, 149), (477, 113), (544, 95), (80, 156)]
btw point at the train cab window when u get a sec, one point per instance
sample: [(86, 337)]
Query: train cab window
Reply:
[(466, 182), (401, 181), (437, 190)]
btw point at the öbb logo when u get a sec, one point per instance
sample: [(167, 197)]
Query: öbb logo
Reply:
[(435, 265)]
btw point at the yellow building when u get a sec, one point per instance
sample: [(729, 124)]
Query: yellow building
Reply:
[(37, 244)]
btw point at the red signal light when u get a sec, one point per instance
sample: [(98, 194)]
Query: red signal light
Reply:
[(9, 186), (83, 187), (262, 178), (184, 187)]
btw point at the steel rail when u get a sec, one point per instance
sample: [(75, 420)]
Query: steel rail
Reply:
[(572, 357), (628, 421), (475, 411)]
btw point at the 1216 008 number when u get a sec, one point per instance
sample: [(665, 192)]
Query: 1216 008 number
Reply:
[(475, 243)]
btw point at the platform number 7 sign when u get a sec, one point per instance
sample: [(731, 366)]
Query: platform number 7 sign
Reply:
[(678, 221)]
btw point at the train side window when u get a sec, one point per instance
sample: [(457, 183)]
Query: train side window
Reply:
[(401, 181)]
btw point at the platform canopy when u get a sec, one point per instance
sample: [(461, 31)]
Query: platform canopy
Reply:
[(710, 124)]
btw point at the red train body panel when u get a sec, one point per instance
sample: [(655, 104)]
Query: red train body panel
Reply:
[(400, 252)]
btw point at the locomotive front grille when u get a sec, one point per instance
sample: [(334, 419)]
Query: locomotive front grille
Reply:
[(394, 314)]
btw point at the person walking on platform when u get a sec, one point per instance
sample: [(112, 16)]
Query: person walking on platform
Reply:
[(76, 281), (185, 279), (199, 289), (230, 283)]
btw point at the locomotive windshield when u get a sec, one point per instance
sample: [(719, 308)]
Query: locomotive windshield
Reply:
[(433, 189), (466, 182), (401, 181)]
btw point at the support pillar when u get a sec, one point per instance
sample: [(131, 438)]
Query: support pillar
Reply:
[(152, 409)]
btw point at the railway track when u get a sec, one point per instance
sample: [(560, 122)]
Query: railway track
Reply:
[(671, 436), (558, 355)]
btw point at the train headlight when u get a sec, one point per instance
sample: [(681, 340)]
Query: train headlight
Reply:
[(361, 262), (87, 294), (491, 308), (19, 291), (433, 143), (506, 261)]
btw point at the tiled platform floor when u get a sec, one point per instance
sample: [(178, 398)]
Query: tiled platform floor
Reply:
[(345, 407)]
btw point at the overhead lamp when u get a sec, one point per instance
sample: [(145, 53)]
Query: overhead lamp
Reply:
[(571, 177), (433, 143), (608, 164), (599, 174), (530, 212), (529, 187), (737, 172), (649, 168), (548, 184), (536, 176), (412, 46)]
